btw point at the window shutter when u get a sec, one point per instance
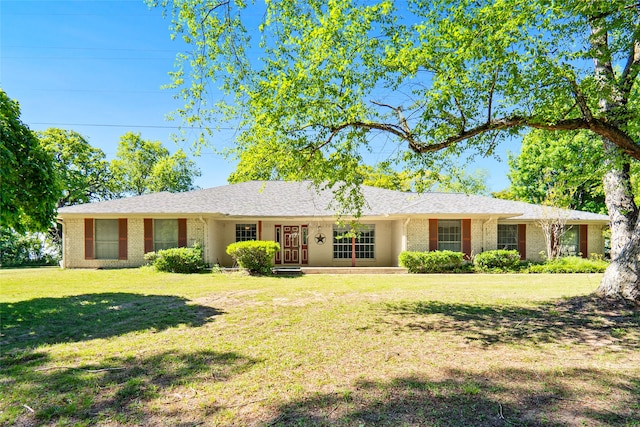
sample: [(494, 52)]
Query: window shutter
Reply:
[(88, 238), (278, 230), (466, 237), (433, 234), (182, 232), (122, 239), (582, 235), (522, 240), (148, 235)]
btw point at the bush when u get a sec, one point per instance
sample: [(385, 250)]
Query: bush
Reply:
[(254, 255), (571, 264), (28, 249), (177, 260), (431, 262), (497, 261)]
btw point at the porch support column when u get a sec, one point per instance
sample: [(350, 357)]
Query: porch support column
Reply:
[(353, 251)]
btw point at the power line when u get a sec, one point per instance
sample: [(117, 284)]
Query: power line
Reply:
[(127, 126), (87, 48)]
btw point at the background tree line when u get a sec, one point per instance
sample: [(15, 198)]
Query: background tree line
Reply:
[(44, 171)]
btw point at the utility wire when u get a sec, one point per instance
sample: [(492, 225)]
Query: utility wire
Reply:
[(126, 126)]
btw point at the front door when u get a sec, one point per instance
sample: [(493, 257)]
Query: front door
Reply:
[(291, 244), (294, 245)]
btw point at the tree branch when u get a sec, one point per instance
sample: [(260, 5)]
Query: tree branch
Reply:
[(598, 126), (581, 101), (490, 102), (401, 119), (631, 68)]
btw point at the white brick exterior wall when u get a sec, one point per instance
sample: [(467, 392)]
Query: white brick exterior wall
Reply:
[(418, 235), (73, 244), (477, 235), (212, 236), (490, 235)]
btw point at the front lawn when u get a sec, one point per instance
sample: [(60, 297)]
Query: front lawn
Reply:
[(137, 347)]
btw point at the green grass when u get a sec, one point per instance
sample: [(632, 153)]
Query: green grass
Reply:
[(137, 347)]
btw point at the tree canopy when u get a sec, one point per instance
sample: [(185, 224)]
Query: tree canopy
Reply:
[(28, 186), (322, 84), (562, 168), (143, 166), (82, 170)]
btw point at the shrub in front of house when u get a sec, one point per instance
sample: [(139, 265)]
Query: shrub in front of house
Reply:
[(571, 264), (431, 262), (497, 261), (255, 256), (177, 260)]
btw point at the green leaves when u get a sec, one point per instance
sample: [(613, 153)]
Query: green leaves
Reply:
[(320, 86), (82, 170), (142, 167), (562, 169), (28, 185)]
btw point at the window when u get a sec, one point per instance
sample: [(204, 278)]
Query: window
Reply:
[(450, 235), (570, 241), (246, 232), (364, 243), (106, 238), (508, 236), (165, 234)]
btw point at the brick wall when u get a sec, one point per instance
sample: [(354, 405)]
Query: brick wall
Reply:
[(418, 235), (73, 244), (477, 236)]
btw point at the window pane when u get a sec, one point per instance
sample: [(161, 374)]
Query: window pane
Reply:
[(364, 244), (106, 238), (508, 236), (246, 232), (450, 235), (570, 241), (165, 234)]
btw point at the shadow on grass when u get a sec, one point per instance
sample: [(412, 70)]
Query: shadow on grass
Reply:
[(586, 319), (510, 398), (119, 390), (32, 323)]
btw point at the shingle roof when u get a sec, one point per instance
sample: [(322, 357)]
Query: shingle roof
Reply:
[(302, 199)]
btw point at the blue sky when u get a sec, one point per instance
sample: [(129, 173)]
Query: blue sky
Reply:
[(97, 67)]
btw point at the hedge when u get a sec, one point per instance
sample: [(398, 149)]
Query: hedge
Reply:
[(497, 261), (254, 255), (431, 262), (571, 264), (177, 260)]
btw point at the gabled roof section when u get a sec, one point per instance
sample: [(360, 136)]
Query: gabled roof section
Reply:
[(302, 199)]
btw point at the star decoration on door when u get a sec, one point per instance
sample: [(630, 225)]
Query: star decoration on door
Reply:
[(320, 238)]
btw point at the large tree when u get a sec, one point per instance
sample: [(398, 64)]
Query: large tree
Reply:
[(28, 185), (566, 167), (563, 167), (330, 80), (143, 166), (82, 170)]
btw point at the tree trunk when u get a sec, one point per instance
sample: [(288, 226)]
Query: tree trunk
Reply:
[(622, 277)]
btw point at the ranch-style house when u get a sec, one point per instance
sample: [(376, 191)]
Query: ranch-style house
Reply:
[(117, 233)]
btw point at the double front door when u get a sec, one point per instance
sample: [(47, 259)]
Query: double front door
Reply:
[(293, 241)]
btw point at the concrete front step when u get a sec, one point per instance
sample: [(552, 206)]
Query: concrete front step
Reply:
[(353, 270)]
